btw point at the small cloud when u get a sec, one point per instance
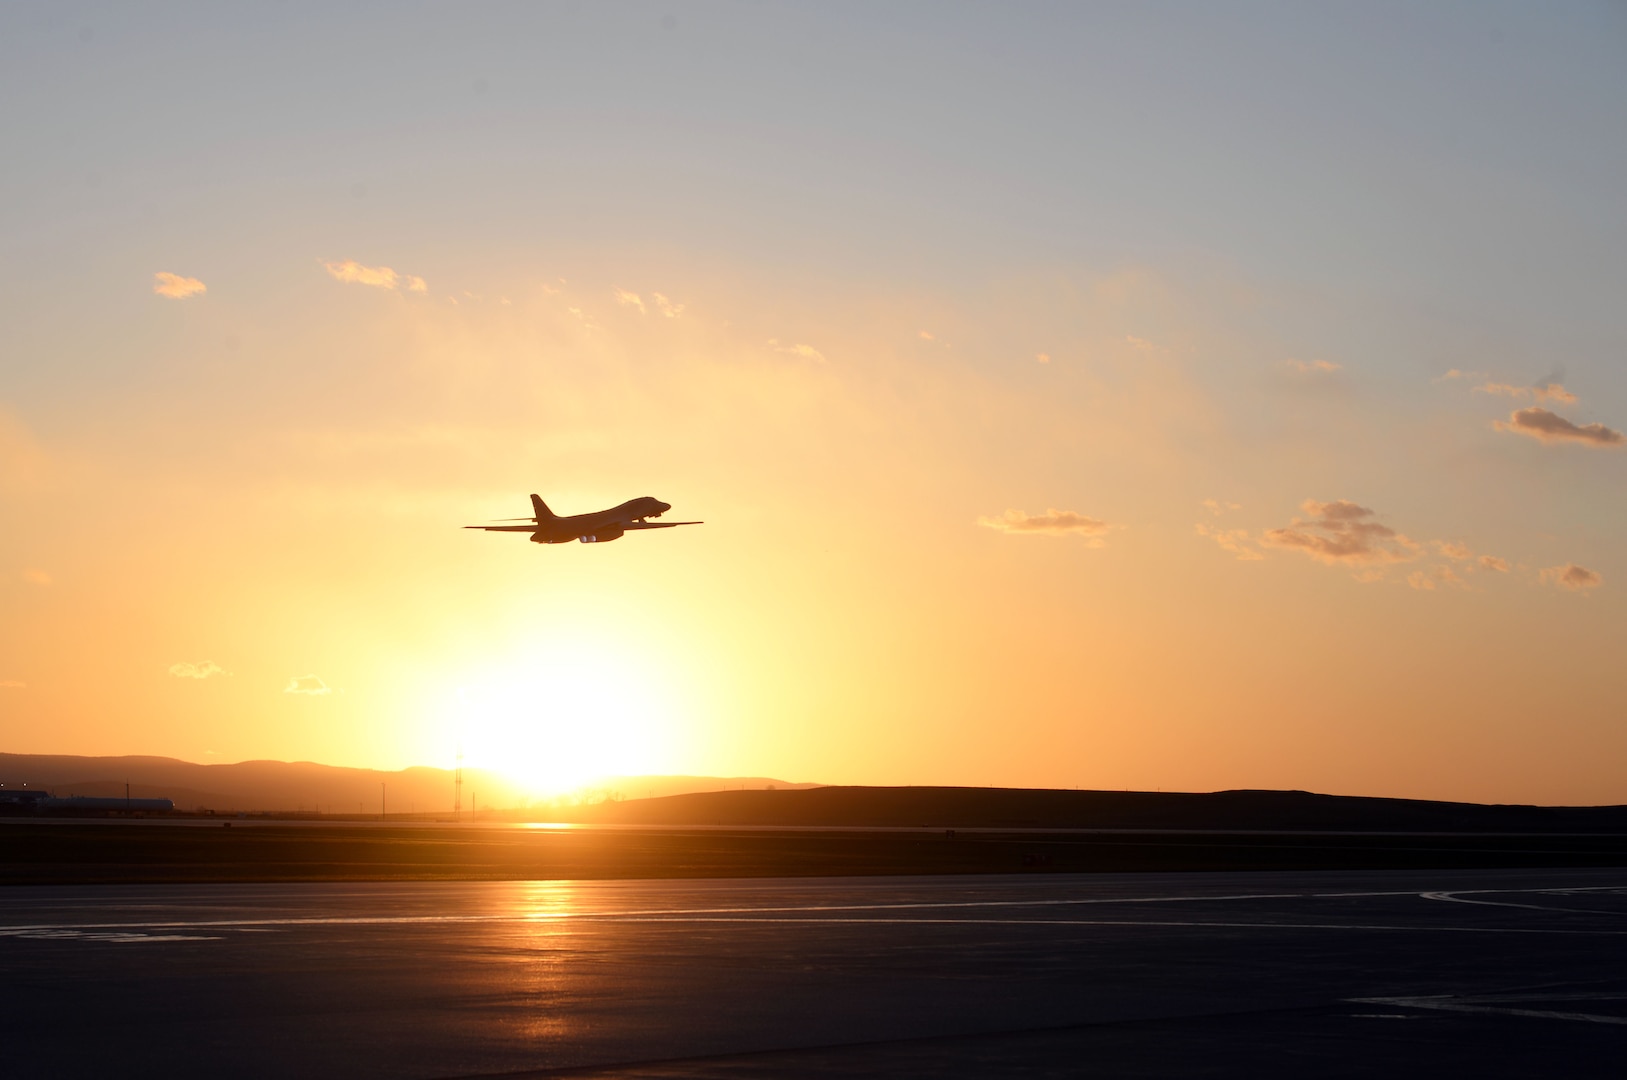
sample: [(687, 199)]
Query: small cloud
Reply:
[(1428, 579), (1343, 533), (1312, 367), (177, 287), (1457, 374), (380, 277), (1455, 551), (1140, 344), (1493, 563), (1044, 357), (807, 352), (1216, 507), (37, 577), (201, 670), (1549, 392), (1235, 541), (1572, 577), (630, 299), (1051, 523), (1545, 426), (12, 684), (667, 307), (927, 335), (306, 684)]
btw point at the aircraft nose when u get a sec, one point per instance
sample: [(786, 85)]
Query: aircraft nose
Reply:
[(664, 506)]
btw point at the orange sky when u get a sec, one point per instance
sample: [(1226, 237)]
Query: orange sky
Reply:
[(987, 500)]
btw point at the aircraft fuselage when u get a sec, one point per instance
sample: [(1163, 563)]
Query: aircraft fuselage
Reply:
[(603, 526)]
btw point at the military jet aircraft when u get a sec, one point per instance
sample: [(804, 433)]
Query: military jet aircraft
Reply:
[(549, 528)]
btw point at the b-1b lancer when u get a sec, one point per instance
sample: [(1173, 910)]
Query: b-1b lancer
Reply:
[(549, 528)]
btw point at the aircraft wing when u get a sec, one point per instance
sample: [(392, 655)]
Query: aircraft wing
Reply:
[(631, 525)]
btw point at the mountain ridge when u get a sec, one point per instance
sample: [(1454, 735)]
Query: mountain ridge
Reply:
[(306, 786)]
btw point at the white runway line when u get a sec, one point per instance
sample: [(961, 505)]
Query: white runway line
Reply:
[(1158, 923), (131, 929), (1457, 898), (757, 914), (1440, 1005)]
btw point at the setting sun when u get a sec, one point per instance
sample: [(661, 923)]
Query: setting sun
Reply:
[(562, 717)]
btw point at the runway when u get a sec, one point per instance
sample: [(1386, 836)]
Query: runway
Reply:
[(1499, 973)]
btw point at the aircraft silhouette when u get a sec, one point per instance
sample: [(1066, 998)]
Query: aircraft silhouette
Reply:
[(549, 528)]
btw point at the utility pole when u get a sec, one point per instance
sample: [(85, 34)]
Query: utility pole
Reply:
[(457, 787)]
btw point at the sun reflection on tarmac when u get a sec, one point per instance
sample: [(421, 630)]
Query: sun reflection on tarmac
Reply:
[(542, 957), (546, 900)]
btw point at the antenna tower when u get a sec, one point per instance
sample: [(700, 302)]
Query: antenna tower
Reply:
[(457, 786)]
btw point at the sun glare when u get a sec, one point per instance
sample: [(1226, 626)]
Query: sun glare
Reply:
[(562, 719)]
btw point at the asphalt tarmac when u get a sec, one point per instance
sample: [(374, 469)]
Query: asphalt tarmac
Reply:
[(1400, 973)]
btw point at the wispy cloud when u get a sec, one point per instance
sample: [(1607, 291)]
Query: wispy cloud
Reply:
[(36, 576), (1545, 426), (1312, 367), (177, 287), (380, 277), (1456, 373), (807, 352), (1141, 344), (306, 684), (1493, 563), (201, 670), (1549, 392), (667, 307), (1044, 357), (1572, 577), (1051, 523), (630, 299), (1235, 541), (1343, 533), (1217, 507), (1441, 574)]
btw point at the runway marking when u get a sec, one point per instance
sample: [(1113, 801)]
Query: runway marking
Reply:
[(757, 914), (126, 938), (70, 932), (1457, 898), (1460, 1006), (1161, 923)]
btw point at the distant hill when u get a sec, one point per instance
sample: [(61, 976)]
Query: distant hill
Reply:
[(1019, 808), (282, 786)]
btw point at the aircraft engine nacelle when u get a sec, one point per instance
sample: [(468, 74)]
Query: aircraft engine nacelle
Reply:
[(603, 536)]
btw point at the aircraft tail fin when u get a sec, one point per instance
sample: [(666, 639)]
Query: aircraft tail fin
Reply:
[(540, 509)]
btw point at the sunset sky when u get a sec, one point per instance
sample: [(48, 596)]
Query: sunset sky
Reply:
[(1182, 396)]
